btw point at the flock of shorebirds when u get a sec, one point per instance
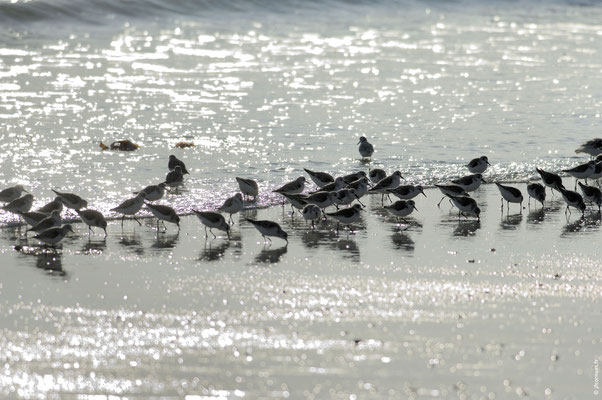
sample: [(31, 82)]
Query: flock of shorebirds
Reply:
[(338, 192)]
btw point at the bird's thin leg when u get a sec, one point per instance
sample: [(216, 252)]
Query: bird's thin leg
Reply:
[(206, 235), (215, 237), (438, 204), (136, 219)]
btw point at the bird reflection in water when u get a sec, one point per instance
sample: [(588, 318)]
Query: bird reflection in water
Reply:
[(268, 255), (511, 222), (313, 239), (164, 241), (402, 241), (132, 242), (94, 246), (349, 249), (536, 217), (467, 228), (46, 259), (214, 251)]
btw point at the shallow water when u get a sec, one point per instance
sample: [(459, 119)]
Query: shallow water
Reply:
[(505, 307)]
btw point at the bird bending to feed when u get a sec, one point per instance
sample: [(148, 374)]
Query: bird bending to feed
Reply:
[(550, 179), (232, 205), (269, 228), (536, 191), (319, 178), (376, 175), (592, 147), (478, 165), (213, 220), (71, 200), (174, 178), (311, 212), (573, 199), (465, 205), (49, 222), (131, 207), (53, 235), (366, 149), (407, 192), (450, 190), (154, 192), (347, 215), (469, 183), (511, 195), (164, 213), (390, 182), (402, 208), (582, 171), (592, 194), (248, 187), (11, 193), (20, 205), (173, 161), (93, 218)]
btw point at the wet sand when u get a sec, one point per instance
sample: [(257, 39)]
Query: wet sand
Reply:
[(502, 308)]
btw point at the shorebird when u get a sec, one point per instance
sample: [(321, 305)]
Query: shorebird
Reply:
[(366, 149), (269, 228), (353, 177), (71, 200), (297, 201), (20, 205), (338, 184), (536, 191), (360, 186), (164, 213), (573, 199), (347, 215), (592, 194), (592, 147), (402, 208), (311, 212), (131, 206), (175, 178), (93, 218), (407, 192), (450, 190), (511, 195), (469, 182), (154, 192), (321, 199), (478, 165), (293, 187), (319, 178), (53, 235), (173, 162), (582, 171), (465, 205), (32, 217), (11, 193), (55, 204), (345, 197), (248, 187), (390, 182), (376, 175), (49, 222), (213, 220), (232, 205), (551, 180)]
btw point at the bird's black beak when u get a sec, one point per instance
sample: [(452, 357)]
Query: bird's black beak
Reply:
[(423, 194), (483, 180), (415, 208), (488, 163)]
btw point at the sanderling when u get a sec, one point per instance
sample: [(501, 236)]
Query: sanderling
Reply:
[(164, 213), (511, 195), (20, 205), (321, 199), (131, 206), (55, 204), (352, 177), (592, 147), (550, 179), (345, 197), (319, 178), (390, 182), (376, 175), (54, 235), (407, 192), (366, 149), (573, 199), (347, 215), (93, 218), (11, 193), (466, 205), (537, 191), (154, 192), (360, 186), (33, 217), (592, 194), (451, 190), (469, 182), (49, 222), (598, 170), (71, 200), (269, 228), (478, 165), (213, 220), (232, 205), (174, 178), (173, 162), (582, 171), (297, 201), (293, 187), (311, 212), (338, 184), (402, 208), (248, 187)]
